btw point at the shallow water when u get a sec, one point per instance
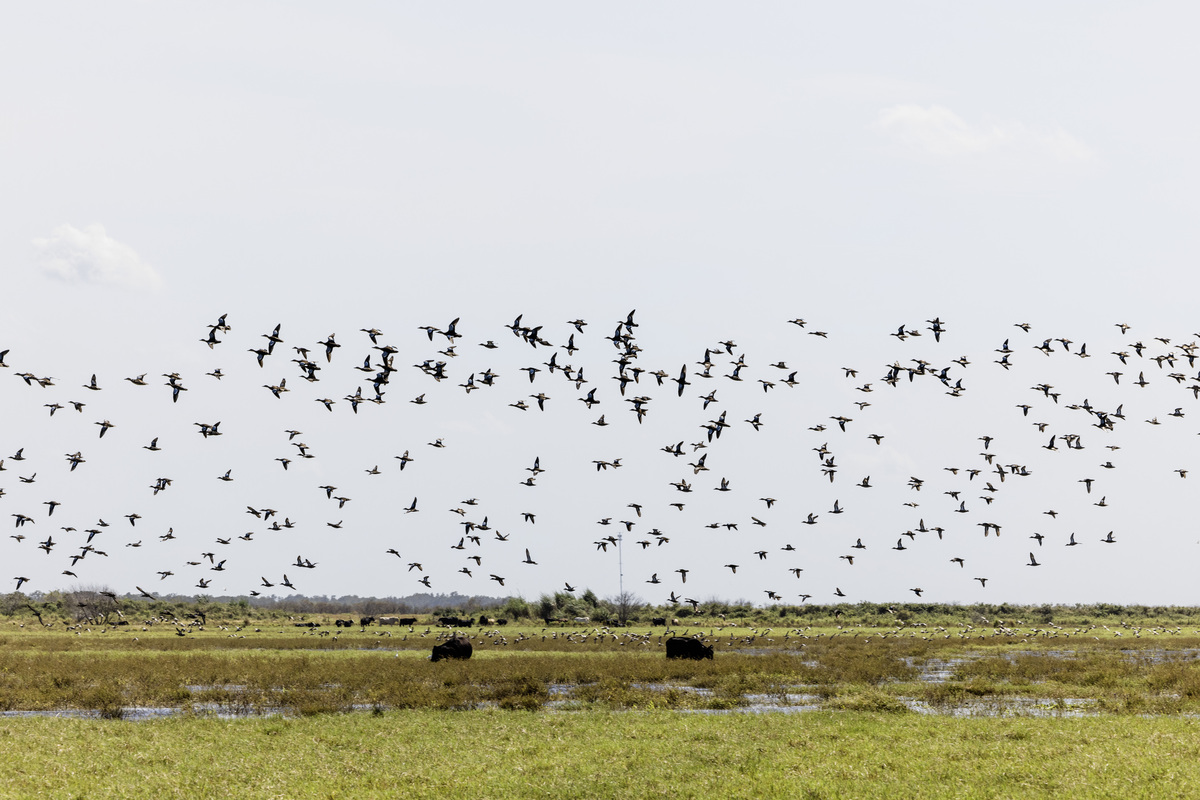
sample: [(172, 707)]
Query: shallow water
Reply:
[(1010, 707), (789, 703), (938, 670), (790, 700), (144, 713)]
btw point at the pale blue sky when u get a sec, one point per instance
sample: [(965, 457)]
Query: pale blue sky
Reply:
[(722, 170)]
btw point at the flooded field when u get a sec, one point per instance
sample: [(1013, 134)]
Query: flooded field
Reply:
[(1012, 683), (236, 671)]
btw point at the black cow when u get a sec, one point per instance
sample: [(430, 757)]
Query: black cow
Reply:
[(407, 621), (687, 647), (365, 621), (452, 648), (659, 622)]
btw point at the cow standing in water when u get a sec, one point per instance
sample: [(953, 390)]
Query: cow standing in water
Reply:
[(687, 647), (452, 648)]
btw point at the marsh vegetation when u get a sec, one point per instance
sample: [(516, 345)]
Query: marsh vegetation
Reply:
[(842, 660), (907, 703)]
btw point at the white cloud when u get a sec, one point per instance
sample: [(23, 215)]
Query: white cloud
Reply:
[(92, 256), (940, 132)]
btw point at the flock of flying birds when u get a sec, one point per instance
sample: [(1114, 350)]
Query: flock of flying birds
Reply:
[(539, 375)]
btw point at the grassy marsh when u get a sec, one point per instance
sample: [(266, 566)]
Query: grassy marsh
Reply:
[(273, 710), (237, 670)]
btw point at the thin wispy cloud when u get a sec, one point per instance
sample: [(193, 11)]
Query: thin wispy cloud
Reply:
[(938, 131), (91, 256)]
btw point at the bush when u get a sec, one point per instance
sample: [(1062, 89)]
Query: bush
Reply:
[(516, 608)]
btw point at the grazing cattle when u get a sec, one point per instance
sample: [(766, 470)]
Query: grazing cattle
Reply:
[(344, 623), (675, 622), (658, 622), (365, 621), (454, 622), (452, 648), (687, 647), (501, 622), (389, 620), (582, 619), (408, 621)]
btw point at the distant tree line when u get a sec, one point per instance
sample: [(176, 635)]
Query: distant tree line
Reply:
[(99, 605)]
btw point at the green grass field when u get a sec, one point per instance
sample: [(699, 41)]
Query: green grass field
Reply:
[(595, 754)]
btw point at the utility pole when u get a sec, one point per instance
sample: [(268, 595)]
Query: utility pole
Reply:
[(620, 567)]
